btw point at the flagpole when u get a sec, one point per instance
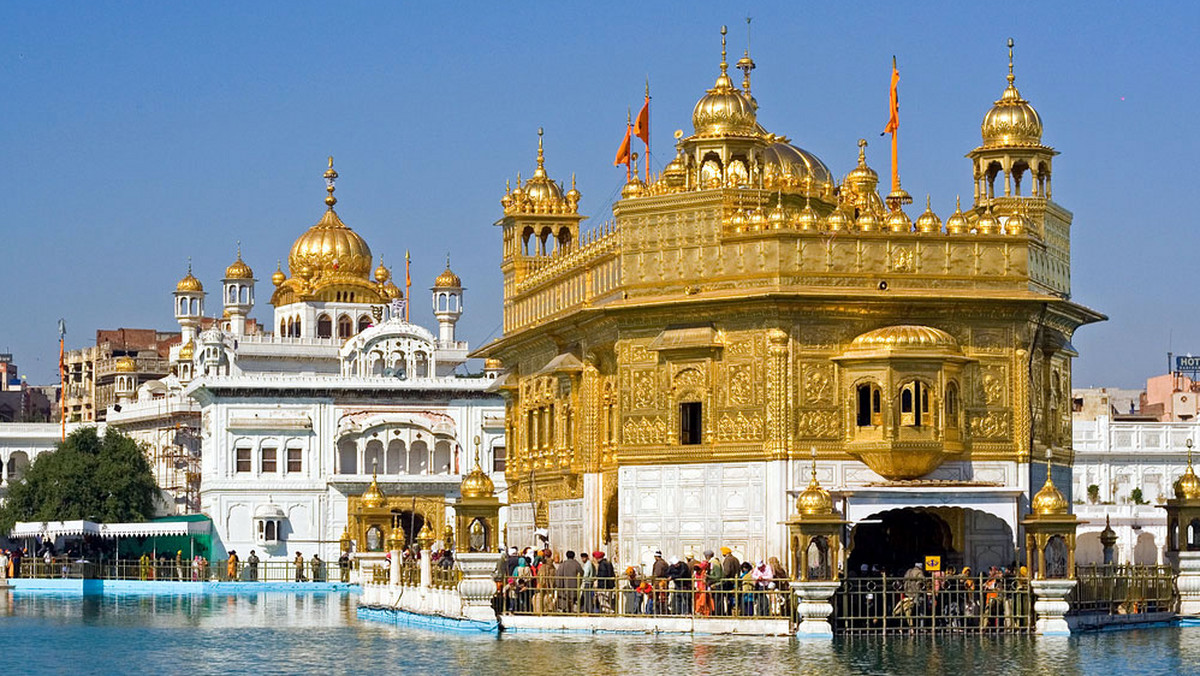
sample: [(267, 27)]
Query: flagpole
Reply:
[(895, 147), (647, 130), (628, 134), (407, 285), (62, 381)]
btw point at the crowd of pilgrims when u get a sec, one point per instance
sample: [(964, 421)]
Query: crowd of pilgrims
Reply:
[(536, 580)]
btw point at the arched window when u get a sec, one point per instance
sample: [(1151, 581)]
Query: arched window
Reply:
[(364, 323), (347, 457), (373, 460), (324, 326), (395, 457), (441, 458), (345, 327), (418, 458), (421, 365), (914, 404), (870, 406)]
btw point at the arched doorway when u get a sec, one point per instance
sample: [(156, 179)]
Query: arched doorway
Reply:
[(892, 541)]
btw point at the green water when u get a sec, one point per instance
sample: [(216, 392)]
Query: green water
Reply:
[(269, 633)]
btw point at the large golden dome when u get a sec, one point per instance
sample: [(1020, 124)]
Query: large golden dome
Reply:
[(785, 164), (330, 248), (905, 336), (1049, 500)]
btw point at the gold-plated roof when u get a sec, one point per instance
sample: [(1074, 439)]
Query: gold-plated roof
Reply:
[(238, 269), (540, 194), (1049, 500), (1012, 121), (477, 484), (786, 166), (330, 248), (187, 351), (491, 364), (905, 336), (189, 283), (373, 497), (1188, 487), (125, 365)]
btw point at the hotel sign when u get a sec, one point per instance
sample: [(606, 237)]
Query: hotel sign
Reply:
[(1188, 364)]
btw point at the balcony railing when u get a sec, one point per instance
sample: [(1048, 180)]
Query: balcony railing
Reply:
[(1123, 590)]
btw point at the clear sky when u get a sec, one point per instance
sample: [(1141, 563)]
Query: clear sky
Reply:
[(136, 135)]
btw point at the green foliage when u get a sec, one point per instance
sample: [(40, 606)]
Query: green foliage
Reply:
[(87, 477), (1093, 493), (1135, 496)]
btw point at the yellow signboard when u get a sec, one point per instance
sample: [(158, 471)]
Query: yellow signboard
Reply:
[(933, 564)]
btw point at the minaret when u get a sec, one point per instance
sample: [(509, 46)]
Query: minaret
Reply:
[(447, 303), (125, 382), (189, 305), (238, 293)]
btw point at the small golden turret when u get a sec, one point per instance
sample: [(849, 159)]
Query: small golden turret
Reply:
[(957, 224), (373, 497)]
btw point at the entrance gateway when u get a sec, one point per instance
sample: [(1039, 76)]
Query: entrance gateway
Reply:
[(896, 525)]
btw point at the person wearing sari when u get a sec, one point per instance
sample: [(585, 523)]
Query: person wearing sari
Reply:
[(704, 601)]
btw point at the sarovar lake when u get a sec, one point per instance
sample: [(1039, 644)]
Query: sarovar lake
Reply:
[(320, 633)]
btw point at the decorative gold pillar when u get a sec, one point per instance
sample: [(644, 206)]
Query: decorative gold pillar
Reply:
[(778, 430)]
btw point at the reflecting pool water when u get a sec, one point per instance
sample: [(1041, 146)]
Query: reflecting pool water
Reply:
[(319, 633)]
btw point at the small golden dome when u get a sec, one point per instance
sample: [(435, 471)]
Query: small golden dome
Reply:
[(634, 187), (477, 484), (447, 280), (492, 364), (425, 536), (809, 220), (867, 221), (382, 274), (898, 221), (1012, 121), (278, 277), (125, 365), (189, 283), (1049, 500), (391, 291), (862, 179), (1188, 487), (957, 224), (987, 223), (238, 269), (777, 218), (187, 351), (573, 195), (814, 500), (373, 497), (928, 221), (837, 220), (724, 110), (905, 336), (1016, 224), (675, 173)]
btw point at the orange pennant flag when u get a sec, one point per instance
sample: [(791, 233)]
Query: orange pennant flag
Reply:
[(623, 154), (641, 128), (893, 123)]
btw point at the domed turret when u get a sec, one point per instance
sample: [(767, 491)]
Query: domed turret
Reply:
[(724, 110), (447, 280), (837, 220), (957, 224), (898, 221), (382, 274), (987, 223), (928, 221), (477, 484), (238, 269), (814, 500), (189, 283), (1049, 500), (1188, 486), (125, 365), (1012, 121), (373, 497)]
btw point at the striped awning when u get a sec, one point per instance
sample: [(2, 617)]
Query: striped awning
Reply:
[(54, 529)]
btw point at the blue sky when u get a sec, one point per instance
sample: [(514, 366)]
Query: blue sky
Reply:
[(136, 135)]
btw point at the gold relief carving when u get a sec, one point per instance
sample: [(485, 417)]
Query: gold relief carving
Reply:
[(990, 425), (988, 339), (819, 424), (740, 427), (993, 385), (903, 260), (818, 383), (742, 348), (643, 431), (639, 353), (644, 389), (741, 385), (688, 380)]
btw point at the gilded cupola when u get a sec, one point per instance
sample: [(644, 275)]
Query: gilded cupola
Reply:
[(1012, 121), (725, 110), (447, 280), (957, 224), (238, 269), (1188, 486), (1049, 500), (815, 500), (278, 277), (187, 351), (373, 497), (477, 484), (125, 365), (189, 283), (540, 194), (928, 221)]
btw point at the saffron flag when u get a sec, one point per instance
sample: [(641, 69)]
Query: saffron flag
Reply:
[(623, 154), (893, 123), (641, 128)]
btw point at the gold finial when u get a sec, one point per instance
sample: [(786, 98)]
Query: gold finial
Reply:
[(724, 65), (330, 180), (1010, 61), (814, 464), (239, 249), (189, 265), (862, 151), (746, 64), (541, 161)]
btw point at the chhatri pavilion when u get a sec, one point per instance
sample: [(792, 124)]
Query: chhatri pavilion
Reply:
[(670, 374)]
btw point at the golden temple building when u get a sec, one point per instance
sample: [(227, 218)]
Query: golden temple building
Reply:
[(669, 373)]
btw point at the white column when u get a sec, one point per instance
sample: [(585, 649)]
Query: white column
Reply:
[(815, 608), (1187, 568), (476, 587), (394, 570), (1051, 606), (426, 570)]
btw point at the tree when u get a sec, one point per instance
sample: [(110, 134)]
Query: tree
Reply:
[(104, 479), (1135, 496), (1093, 493)]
